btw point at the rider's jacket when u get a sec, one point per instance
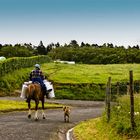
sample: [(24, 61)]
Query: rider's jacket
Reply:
[(36, 74)]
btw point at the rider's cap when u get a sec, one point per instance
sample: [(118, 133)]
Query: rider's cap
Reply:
[(37, 66)]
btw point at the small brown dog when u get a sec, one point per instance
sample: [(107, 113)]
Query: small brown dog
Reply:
[(66, 110)]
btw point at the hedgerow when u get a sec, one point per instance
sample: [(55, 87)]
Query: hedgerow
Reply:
[(15, 63)]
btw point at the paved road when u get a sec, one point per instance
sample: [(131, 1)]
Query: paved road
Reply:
[(16, 125)]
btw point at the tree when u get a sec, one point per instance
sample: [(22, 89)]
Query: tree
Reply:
[(74, 43), (0, 46), (57, 45), (50, 47), (82, 44), (87, 45), (136, 47), (110, 45), (41, 43), (41, 49), (95, 45)]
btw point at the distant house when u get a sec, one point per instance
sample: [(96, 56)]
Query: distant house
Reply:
[(2, 58)]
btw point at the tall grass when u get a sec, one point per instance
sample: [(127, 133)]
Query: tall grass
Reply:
[(119, 127), (95, 129), (120, 116)]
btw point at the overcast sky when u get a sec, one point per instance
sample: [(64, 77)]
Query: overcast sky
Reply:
[(90, 21)]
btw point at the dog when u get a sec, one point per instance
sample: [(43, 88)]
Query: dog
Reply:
[(66, 110)]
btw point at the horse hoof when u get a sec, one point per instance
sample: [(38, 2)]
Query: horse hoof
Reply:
[(36, 119), (29, 116)]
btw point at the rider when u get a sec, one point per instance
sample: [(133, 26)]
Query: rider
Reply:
[(36, 75)]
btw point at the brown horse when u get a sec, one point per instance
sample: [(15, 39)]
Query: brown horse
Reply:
[(35, 93)]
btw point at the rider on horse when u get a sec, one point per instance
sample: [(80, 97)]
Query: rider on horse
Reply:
[(36, 76)]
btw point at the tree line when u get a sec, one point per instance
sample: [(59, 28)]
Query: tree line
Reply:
[(84, 53)]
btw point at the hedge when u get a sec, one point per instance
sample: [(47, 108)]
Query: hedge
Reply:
[(11, 64)]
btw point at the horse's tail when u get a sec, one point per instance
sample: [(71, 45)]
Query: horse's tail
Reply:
[(34, 91), (30, 90), (38, 90)]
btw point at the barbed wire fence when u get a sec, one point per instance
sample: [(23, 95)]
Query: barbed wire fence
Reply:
[(122, 88)]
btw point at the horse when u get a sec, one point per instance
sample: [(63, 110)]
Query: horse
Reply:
[(34, 92)]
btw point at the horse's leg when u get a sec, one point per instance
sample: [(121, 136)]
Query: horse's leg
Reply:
[(36, 109), (29, 107), (43, 114), (64, 117), (68, 119)]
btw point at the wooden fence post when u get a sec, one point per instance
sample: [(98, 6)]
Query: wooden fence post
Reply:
[(131, 100), (108, 98)]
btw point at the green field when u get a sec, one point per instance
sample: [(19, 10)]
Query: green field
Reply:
[(79, 81), (83, 73)]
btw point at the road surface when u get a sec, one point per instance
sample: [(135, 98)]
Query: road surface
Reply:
[(16, 125)]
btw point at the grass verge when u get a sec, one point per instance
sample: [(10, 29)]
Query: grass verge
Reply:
[(8, 106), (119, 126), (95, 129)]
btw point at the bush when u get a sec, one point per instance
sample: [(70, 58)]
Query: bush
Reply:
[(11, 82), (80, 92)]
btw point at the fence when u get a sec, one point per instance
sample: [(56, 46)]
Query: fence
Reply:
[(131, 87)]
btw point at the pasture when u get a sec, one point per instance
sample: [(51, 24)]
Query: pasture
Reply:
[(79, 81), (88, 82), (84, 73)]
